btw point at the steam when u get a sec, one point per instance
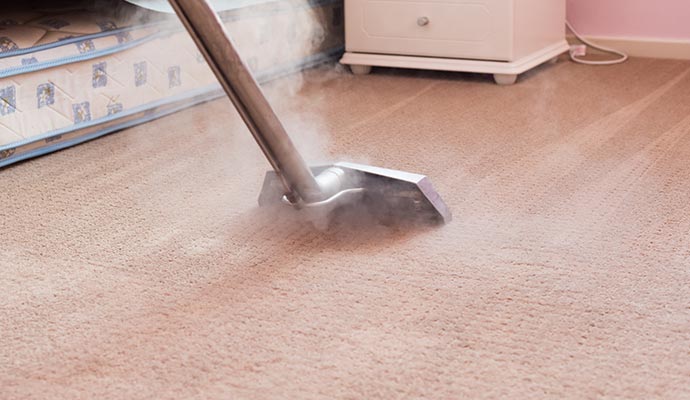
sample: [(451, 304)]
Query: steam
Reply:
[(303, 34), (273, 40), (273, 44)]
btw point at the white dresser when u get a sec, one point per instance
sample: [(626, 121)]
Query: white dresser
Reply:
[(500, 37)]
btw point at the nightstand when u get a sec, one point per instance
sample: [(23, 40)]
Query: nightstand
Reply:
[(500, 37)]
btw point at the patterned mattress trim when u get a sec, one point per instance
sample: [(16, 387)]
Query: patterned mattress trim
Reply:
[(23, 61)]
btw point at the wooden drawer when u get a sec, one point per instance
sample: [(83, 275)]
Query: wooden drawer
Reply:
[(480, 29)]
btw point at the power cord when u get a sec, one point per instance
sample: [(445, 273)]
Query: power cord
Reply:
[(574, 57)]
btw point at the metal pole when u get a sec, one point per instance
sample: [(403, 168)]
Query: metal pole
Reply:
[(215, 45)]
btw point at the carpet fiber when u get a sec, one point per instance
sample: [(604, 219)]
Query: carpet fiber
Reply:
[(139, 266)]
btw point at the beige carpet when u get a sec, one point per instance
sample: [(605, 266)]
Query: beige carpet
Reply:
[(139, 266)]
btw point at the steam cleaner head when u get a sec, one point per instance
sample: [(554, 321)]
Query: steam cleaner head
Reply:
[(383, 192)]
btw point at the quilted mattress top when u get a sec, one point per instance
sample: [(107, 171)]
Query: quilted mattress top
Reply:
[(26, 29), (45, 37)]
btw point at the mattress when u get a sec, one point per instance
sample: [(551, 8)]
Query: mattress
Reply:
[(71, 75)]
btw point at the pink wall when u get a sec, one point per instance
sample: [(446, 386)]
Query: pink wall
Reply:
[(668, 19)]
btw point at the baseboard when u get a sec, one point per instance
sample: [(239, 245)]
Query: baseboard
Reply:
[(678, 49)]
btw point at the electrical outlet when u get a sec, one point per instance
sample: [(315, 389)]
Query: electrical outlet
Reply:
[(578, 50)]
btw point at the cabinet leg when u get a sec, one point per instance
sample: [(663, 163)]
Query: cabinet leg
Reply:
[(360, 69), (505, 79)]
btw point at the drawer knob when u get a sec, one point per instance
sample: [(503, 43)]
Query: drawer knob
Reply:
[(422, 21)]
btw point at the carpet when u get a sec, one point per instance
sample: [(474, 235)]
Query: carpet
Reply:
[(139, 265)]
